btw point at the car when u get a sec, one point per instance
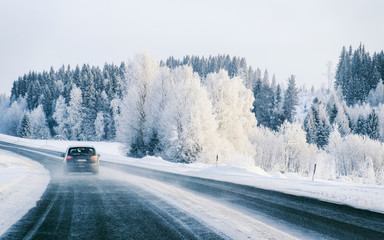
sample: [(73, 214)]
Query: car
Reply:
[(81, 159)]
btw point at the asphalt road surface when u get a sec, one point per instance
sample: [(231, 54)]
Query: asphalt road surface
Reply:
[(84, 206)]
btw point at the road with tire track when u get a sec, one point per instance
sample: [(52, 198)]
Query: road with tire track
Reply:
[(82, 206)]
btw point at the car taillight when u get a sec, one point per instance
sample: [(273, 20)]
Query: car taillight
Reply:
[(68, 158), (94, 158)]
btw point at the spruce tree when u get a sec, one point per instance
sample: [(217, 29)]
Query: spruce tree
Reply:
[(373, 125), (361, 126), (25, 127), (333, 114), (290, 100)]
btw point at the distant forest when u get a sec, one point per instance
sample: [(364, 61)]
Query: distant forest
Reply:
[(196, 108), (99, 87)]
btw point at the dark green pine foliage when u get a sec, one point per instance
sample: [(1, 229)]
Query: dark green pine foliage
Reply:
[(34, 91), (361, 126), (357, 73), (264, 104), (373, 125), (291, 100), (89, 102), (333, 114), (316, 125), (203, 66), (138, 147), (25, 127), (378, 60)]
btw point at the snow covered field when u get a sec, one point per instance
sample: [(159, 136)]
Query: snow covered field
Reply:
[(20, 177)]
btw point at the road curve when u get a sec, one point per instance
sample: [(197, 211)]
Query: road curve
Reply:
[(85, 207)]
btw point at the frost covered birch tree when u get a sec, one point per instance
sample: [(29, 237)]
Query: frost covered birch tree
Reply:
[(133, 116), (60, 116), (39, 126), (232, 104), (75, 114), (188, 127)]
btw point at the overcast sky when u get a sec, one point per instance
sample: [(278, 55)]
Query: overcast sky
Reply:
[(285, 37)]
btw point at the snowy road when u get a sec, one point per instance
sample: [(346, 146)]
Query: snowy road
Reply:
[(127, 202)]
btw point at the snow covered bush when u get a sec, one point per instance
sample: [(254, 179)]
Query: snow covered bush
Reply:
[(270, 149), (285, 151), (13, 116), (357, 157)]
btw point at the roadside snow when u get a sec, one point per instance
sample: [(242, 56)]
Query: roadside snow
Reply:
[(22, 182), (357, 195)]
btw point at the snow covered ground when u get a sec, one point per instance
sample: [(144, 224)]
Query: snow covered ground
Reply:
[(16, 172), (22, 182)]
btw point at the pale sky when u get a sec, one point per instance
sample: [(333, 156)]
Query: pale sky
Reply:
[(286, 37)]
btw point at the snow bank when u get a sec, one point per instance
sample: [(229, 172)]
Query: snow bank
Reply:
[(22, 182)]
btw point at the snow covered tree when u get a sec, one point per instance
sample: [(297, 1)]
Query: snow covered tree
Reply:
[(133, 117), (356, 75), (60, 116), (39, 126), (75, 115), (89, 110), (99, 127), (188, 134), (373, 125), (357, 157), (290, 100), (376, 95), (232, 104), (361, 126), (25, 126), (264, 104), (317, 125), (336, 109), (158, 95), (14, 116)]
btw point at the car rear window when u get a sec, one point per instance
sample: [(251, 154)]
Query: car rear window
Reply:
[(81, 151)]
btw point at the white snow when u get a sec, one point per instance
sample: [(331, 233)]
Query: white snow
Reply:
[(363, 196), (22, 182)]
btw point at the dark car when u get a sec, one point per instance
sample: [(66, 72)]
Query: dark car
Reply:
[(81, 159)]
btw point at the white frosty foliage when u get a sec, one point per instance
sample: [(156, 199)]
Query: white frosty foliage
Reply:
[(357, 157), (188, 127), (75, 114), (376, 95), (232, 104), (13, 116), (59, 116), (99, 126), (285, 151), (39, 127), (132, 118)]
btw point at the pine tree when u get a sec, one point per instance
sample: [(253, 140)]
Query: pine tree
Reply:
[(361, 126), (373, 125), (290, 100), (333, 114), (25, 127), (89, 107), (317, 125)]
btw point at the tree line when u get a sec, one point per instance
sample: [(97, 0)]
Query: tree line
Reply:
[(80, 103), (354, 105)]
